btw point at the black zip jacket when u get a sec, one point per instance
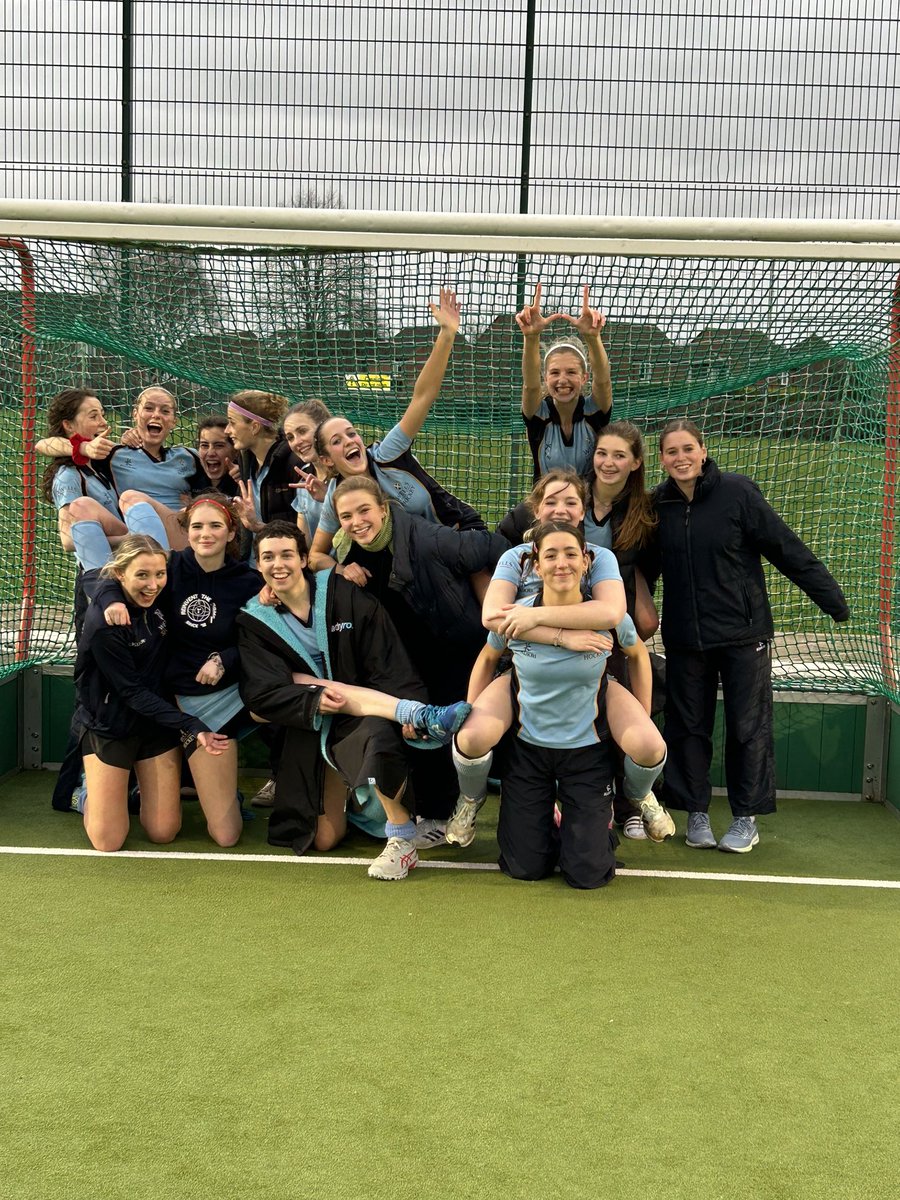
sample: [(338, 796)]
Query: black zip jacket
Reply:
[(200, 608), (710, 552), (431, 568), (363, 647), (120, 672), (276, 496)]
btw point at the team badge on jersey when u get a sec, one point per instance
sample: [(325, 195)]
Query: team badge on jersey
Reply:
[(198, 611)]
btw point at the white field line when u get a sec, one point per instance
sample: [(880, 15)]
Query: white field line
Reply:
[(338, 861)]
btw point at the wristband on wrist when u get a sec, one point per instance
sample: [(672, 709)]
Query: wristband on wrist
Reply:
[(79, 459)]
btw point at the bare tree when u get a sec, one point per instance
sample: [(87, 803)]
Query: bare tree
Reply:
[(315, 292), (157, 297)]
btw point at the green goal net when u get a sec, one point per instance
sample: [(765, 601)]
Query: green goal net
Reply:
[(786, 365)]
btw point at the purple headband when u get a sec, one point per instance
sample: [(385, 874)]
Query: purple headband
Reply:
[(252, 416)]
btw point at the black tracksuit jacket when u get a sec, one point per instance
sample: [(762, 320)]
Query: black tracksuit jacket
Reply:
[(710, 551)]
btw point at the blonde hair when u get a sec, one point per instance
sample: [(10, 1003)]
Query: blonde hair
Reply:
[(132, 546), (566, 348), (360, 483), (154, 387), (268, 405)]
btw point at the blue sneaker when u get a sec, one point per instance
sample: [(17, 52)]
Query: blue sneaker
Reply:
[(439, 723), (79, 799), (699, 832), (741, 837)]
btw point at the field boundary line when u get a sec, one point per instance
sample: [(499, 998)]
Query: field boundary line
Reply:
[(435, 864)]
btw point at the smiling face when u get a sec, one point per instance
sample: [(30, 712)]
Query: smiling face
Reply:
[(281, 564), (361, 516), (561, 563), (242, 431), (209, 533), (299, 430), (614, 461), (683, 458), (216, 452), (560, 502), (154, 417), (564, 377), (88, 420), (144, 578), (343, 448)]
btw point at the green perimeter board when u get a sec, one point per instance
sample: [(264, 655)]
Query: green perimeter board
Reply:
[(9, 724), (893, 772), (818, 747)]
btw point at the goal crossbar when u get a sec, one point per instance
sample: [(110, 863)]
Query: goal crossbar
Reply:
[(353, 229)]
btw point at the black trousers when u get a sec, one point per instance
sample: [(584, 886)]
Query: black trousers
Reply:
[(584, 845), (363, 749), (692, 678)]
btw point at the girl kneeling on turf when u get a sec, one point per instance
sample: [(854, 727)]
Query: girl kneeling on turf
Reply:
[(559, 496), (312, 664), (562, 749), (121, 715)]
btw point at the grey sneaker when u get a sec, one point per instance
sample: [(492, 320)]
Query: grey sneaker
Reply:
[(741, 837), (657, 822), (396, 860), (699, 834), (461, 826), (265, 797), (429, 833)]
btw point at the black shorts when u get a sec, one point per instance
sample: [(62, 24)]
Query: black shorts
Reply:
[(125, 752)]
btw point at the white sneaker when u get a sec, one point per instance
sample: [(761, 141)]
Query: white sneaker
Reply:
[(430, 832), (265, 797), (396, 860), (657, 822), (461, 826), (634, 829)]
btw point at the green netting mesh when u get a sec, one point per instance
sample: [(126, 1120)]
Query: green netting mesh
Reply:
[(784, 364)]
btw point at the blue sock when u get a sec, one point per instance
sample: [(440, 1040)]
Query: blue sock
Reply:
[(92, 548), (407, 830), (408, 712), (639, 780), (143, 518)]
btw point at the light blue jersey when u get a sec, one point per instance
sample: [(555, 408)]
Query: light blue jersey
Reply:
[(71, 483), (528, 583), (165, 480), (310, 509), (397, 484), (600, 534), (559, 692), (306, 636), (549, 446)]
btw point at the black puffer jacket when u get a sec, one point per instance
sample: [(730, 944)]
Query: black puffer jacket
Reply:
[(276, 496), (431, 568), (710, 551)]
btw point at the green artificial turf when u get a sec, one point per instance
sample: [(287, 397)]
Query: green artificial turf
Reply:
[(212, 1031), (227, 1029)]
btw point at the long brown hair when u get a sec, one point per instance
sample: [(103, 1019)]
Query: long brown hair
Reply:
[(63, 407), (640, 519)]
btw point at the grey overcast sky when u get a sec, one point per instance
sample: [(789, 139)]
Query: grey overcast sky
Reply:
[(662, 107)]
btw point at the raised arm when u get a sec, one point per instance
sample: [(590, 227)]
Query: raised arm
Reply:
[(532, 323), (428, 384), (589, 324)]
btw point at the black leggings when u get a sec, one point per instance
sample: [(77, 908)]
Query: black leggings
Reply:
[(584, 845)]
